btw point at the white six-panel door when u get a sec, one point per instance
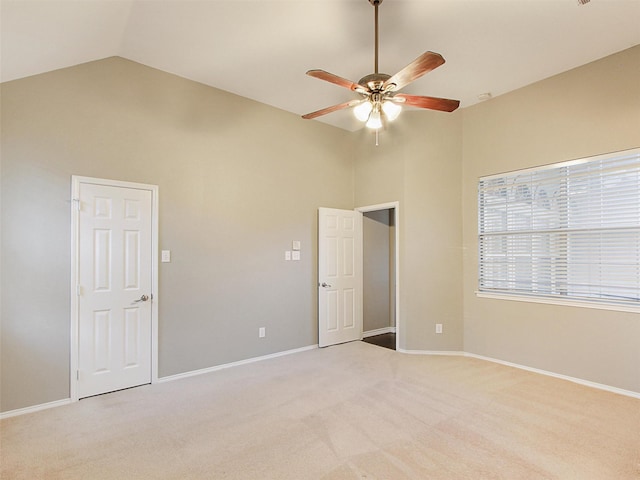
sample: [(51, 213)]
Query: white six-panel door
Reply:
[(339, 276), (114, 288)]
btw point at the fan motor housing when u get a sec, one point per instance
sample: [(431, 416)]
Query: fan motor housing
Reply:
[(374, 81)]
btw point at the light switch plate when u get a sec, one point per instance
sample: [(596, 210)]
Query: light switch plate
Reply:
[(287, 255), (166, 256), (295, 255), (295, 245)]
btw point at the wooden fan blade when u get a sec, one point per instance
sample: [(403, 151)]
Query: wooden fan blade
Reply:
[(331, 109), (421, 65), (432, 103), (342, 82)]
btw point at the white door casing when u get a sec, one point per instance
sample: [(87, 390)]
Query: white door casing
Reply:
[(339, 276), (395, 206), (114, 329)]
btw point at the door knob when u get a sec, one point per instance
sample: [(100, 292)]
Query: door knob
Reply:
[(325, 285), (143, 298)]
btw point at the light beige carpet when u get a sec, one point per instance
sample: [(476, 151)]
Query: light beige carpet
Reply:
[(353, 411)]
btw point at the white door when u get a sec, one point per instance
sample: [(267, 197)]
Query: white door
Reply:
[(339, 276), (115, 288)]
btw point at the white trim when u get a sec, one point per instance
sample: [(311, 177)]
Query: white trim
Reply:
[(380, 206), (587, 383), (580, 381), (559, 301), (155, 255), (395, 206), (75, 274), (378, 331), (451, 353), (568, 163), (215, 368), (193, 373), (73, 286), (34, 408)]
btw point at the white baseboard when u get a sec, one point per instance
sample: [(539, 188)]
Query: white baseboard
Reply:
[(600, 386), (215, 368), (580, 381), (588, 383), (34, 408), (378, 331), (431, 352)]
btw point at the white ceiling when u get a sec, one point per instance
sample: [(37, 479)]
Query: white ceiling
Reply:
[(261, 49)]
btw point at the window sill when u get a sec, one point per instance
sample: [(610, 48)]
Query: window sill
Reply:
[(560, 301)]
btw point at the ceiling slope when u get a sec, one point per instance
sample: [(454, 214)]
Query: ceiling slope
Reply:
[(262, 49)]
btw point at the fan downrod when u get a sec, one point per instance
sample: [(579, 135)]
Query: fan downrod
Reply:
[(375, 4), (378, 88)]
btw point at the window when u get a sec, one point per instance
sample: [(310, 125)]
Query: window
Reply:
[(569, 230)]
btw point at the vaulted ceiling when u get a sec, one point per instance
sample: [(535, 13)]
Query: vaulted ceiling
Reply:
[(262, 49)]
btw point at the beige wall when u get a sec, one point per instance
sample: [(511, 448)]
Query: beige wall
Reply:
[(238, 182), (418, 163), (588, 111)]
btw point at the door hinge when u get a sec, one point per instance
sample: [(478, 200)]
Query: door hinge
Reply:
[(78, 375), (78, 289), (77, 202)]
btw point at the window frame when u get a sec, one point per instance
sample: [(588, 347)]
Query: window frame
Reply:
[(508, 233)]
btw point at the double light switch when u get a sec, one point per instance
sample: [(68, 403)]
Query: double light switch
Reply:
[(294, 253)]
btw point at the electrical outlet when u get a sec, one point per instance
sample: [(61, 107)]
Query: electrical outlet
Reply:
[(262, 332), (438, 328)]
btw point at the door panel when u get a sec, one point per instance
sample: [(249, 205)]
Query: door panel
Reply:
[(131, 260), (102, 260), (99, 339), (339, 276), (115, 279), (349, 308), (132, 340)]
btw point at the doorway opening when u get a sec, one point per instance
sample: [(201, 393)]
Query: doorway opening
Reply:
[(380, 275)]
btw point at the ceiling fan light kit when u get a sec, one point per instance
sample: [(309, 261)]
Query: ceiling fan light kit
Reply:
[(380, 102), (362, 111)]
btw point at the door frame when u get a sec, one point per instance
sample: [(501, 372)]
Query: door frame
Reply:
[(76, 180), (396, 218)]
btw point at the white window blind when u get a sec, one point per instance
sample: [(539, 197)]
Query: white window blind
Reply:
[(569, 230)]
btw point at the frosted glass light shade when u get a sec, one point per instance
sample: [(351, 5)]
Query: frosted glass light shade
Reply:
[(363, 110), (391, 110), (374, 122)]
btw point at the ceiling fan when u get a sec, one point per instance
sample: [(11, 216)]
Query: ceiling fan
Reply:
[(379, 101)]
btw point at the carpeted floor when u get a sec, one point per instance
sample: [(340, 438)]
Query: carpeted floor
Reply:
[(353, 411)]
